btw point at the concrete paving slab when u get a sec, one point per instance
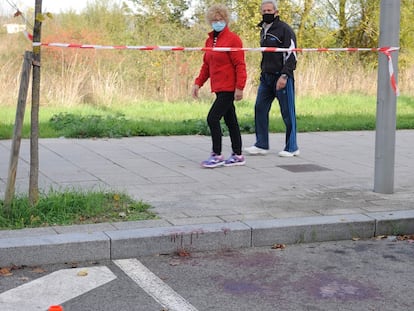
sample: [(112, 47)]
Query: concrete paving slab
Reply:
[(33, 232), (87, 228), (152, 223)]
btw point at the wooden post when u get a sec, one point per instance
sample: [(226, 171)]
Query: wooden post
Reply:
[(34, 137), (18, 125)]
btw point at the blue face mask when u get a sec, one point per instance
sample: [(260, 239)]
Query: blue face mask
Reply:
[(218, 26)]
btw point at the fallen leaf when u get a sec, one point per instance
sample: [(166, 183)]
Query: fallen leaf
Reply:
[(38, 270), (183, 253), (405, 237), (82, 273), (5, 272), (279, 246), (175, 262), (14, 267), (356, 239)]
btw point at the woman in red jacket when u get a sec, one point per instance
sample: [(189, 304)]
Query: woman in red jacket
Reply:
[(227, 73)]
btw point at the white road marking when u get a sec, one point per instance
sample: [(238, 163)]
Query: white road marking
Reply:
[(54, 288), (154, 286)]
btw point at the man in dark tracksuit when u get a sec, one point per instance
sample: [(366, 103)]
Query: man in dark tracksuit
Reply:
[(276, 81)]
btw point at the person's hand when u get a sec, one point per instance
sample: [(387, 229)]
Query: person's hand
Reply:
[(281, 82), (238, 94), (194, 91)]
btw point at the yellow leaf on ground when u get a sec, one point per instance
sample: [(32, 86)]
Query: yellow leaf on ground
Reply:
[(5, 272), (83, 273), (38, 270)]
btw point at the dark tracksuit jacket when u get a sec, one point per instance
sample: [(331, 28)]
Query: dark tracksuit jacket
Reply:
[(279, 35)]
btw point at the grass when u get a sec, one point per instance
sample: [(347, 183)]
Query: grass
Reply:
[(73, 207), (325, 113)]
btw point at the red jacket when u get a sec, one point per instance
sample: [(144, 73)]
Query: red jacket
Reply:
[(226, 70)]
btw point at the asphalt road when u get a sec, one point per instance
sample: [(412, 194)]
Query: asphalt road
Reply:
[(346, 275)]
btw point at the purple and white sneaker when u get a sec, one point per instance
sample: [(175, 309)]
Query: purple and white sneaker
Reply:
[(235, 160), (213, 161)]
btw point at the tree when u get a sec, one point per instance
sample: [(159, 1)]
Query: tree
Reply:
[(247, 17), (406, 34), (165, 11), (305, 20), (355, 22)]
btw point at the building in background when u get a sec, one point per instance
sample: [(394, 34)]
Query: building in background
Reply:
[(14, 28)]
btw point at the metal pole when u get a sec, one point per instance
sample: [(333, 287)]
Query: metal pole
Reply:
[(386, 99)]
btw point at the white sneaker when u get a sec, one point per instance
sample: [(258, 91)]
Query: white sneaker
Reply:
[(253, 150), (289, 154)]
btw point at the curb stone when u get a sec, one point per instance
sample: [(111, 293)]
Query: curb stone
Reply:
[(118, 244)]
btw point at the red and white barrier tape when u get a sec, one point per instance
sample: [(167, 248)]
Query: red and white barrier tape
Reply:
[(385, 50)]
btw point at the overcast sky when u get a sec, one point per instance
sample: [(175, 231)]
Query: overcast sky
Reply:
[(52, 6)]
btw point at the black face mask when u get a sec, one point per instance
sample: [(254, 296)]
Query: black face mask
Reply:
[(268, 18)]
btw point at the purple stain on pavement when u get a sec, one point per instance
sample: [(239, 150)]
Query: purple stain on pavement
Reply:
[(253, 284), (239, 260), (241, 287), (258, 260), (329, 286)]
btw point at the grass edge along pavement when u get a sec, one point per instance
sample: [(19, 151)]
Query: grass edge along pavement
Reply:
[(70, 207)]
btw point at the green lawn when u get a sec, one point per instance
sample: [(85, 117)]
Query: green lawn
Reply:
[(328, 113)]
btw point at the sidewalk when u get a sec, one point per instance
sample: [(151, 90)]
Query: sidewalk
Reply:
[(325, 194)]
